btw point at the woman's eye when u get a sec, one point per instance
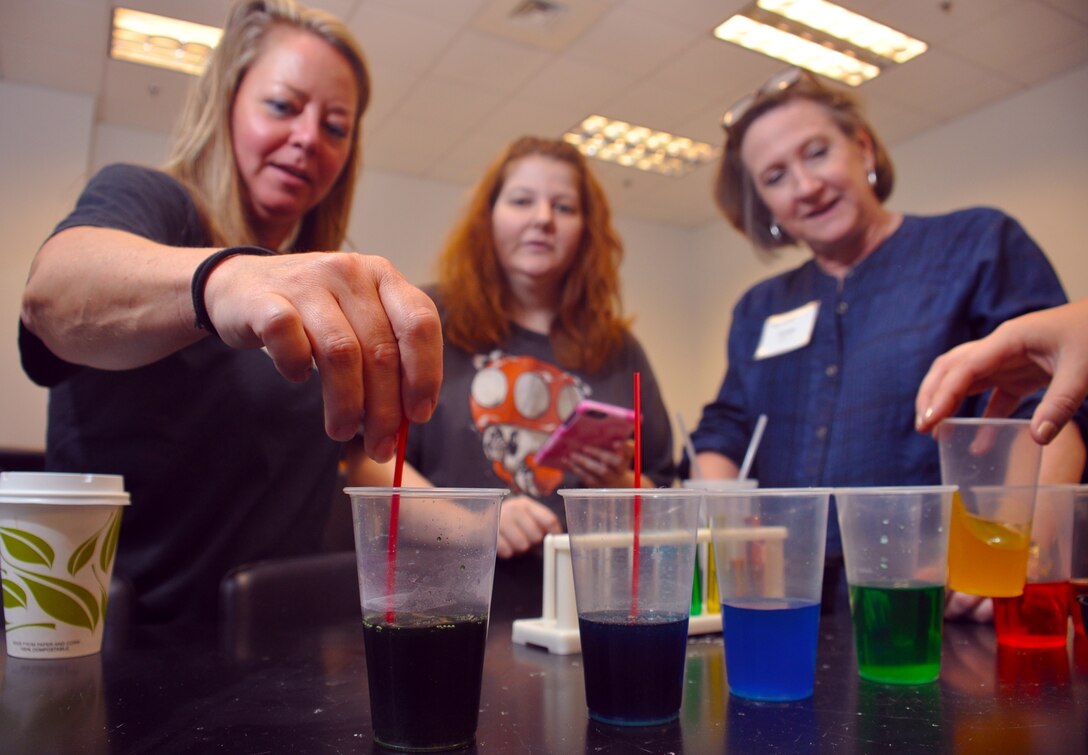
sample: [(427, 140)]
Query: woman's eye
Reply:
[(772, 177), (338, 130), (565, 208), (279, 107)]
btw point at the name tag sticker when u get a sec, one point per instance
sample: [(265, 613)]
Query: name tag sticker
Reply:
[(788, 331)]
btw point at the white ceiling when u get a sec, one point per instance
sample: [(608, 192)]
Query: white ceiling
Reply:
[(454, 80)]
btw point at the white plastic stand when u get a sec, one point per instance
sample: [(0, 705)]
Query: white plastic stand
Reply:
[(557, 630)]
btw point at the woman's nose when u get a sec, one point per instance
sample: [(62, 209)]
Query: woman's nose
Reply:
[(543, 213), (305, 130), (806, 182)]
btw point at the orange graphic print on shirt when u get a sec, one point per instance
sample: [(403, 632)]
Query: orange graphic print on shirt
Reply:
[(516, 402)]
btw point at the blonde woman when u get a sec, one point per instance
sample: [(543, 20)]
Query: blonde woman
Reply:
[(144, 310)]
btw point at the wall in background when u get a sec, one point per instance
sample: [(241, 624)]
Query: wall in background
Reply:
[(1028, 155)]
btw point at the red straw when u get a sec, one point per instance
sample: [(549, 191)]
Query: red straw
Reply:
[(638, 484), (394, 518)]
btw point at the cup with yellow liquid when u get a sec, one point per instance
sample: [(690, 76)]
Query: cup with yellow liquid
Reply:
[(995, 464)]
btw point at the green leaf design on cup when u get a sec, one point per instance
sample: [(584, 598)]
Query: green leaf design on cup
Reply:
[(63, 600), (109, 545), (14, 595), (27, 547), (82, 554)]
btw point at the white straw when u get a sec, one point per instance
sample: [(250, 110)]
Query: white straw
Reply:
[(696, 472), (757, 436)]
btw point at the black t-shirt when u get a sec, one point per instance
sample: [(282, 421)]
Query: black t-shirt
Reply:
[(226, 461)]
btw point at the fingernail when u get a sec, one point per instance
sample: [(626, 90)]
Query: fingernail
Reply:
[(422, 410), (1046, 431), (383, 451)]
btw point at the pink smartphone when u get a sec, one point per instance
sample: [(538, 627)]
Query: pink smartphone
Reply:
[(592, 423)]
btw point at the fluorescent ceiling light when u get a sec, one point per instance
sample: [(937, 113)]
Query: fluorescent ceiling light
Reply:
[(848, 26), (152, 40), (822, 37), (779, 44), (638, 146)]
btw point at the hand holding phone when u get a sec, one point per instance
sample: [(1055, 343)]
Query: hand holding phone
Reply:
[(592, 423)]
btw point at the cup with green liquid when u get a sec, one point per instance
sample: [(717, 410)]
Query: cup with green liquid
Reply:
[(895, 547)]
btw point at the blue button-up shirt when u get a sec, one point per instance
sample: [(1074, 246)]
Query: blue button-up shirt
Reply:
[(840, 408)]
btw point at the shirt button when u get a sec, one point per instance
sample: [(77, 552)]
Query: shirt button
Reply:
[(843, 306), (832, 370), (821, 432)]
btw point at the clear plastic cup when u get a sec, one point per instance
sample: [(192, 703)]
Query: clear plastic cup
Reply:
[(995, 464), (426, 559), (633, 556), (58, 539), (1078, 572), (1039, 617), (769, 549), (895, 544)]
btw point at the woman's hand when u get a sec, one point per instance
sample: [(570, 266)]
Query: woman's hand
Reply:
[(376, 339), (960, 605), (523, 523), (604, 468), (1019, 357)]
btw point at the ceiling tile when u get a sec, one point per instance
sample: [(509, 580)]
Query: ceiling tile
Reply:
[(700, 15), (893, 122), (545, 27), (1016, 34), (653, 104), (930, 21), (1077, 9), (389, 85), (940, 84), (631, 41), (142, 97), (495, 64), (412, 43), (447, 104), (577, 85)]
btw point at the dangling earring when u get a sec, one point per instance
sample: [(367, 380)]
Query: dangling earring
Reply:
[(776, 232), (872, 178)]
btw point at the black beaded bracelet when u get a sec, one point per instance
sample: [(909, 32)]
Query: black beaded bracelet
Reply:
[(200, 280)]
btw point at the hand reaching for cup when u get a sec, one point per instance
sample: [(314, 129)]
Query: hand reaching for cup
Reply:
[(1019, 357), (375, 338)]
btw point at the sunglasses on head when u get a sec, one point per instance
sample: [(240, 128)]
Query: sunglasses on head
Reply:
[(780, 82)]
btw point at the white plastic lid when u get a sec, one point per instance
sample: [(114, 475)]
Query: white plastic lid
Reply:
[(63, 488)]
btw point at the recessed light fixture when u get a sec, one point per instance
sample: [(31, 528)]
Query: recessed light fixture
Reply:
[(639, 147), (823, 37), (140, 37)]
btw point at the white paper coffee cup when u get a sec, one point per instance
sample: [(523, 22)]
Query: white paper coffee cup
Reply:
[(58, 538)]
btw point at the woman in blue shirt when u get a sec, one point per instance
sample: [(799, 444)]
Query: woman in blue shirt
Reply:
[(833, 351)]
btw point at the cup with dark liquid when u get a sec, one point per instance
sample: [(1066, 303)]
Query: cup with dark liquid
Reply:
[(633, 556), (1039, 617), (426, 562)]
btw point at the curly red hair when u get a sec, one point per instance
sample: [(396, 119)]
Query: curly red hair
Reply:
[(589, 326)]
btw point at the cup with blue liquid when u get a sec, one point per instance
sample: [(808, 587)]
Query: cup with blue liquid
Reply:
[(769, 551), (632, 554)]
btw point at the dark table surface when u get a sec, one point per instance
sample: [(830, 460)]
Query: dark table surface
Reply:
[(305, 691)]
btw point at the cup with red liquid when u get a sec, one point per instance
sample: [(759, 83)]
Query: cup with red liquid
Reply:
[(633, 556), (1078, 573), (769, 552), (426, 563), (1039, 617)]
